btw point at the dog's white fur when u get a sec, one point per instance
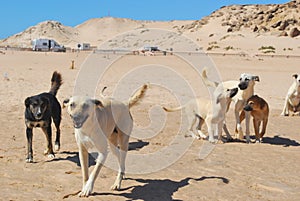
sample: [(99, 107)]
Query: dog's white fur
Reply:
[(97, 124), (292, 99), (212, 112), (239, 100)]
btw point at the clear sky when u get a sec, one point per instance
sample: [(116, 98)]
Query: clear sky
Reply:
[(17, 15)]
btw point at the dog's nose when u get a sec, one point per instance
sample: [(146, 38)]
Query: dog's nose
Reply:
[(39, 114)]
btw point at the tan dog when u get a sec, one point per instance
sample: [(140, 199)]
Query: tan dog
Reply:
[(246, 90), (292, 99), (212, 112), (259, 110), (96, 124)]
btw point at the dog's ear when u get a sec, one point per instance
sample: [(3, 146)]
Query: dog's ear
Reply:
[(295, 76), (97, 102), (45, 100), (27, 102), (66, 102), (256, 78)]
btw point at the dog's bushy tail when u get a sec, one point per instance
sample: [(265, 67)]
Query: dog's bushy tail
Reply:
[(138, 95), (56, 82), (206, 81)]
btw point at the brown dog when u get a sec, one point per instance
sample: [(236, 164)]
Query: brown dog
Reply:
[(259, 110)]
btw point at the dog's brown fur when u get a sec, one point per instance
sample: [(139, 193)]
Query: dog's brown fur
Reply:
[(259, 110)]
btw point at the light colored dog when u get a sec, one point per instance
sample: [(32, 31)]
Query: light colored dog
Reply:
[(96, 124), (259, 110), (292, 99), (212, 112), (246, 86)]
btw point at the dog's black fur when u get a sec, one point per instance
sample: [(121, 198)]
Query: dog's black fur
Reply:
[(38, 113)]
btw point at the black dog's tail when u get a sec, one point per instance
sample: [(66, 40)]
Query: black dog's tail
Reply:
[(56, 82)]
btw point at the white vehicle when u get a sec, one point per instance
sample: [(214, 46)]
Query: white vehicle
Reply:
[(84, 46), (47, 45)]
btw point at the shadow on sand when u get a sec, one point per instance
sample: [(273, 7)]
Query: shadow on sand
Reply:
[(277, 140), (157, 189)]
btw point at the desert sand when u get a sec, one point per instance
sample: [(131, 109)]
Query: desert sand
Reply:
[(162, 164), (232, 171)]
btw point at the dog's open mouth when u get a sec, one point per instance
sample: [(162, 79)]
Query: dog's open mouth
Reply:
[(79, 121)]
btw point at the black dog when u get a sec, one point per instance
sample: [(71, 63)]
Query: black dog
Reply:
[(39, 110)]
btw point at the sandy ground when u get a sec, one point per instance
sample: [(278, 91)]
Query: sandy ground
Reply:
[(232, 171)]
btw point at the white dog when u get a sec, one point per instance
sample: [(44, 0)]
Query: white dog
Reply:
[(292, 99), (96, 124), (212, 112), (246, 86)]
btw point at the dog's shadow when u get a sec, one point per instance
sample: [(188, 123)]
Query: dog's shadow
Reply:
[(277, 140), (157, 189), (139, 144), (74, 156)]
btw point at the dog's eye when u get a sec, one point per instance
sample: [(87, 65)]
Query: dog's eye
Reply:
[(246, 79)]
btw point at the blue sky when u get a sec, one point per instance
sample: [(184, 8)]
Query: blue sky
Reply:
[(17, 15)]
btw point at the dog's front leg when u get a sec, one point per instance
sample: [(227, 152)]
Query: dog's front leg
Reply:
[(285, 111), (211, 132), (89, 184), (49, 149), (247, 118), (238, 122), (226, 131), (84, 160), (29, 158)]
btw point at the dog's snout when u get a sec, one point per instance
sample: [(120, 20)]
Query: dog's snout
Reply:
[(38, 114), (243, 85), (248, 108)]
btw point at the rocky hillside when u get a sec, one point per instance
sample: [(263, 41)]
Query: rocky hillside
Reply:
[(48, 29), (274, 19)]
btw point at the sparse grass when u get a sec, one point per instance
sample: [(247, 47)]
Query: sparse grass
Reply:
[(212, 47), (228, 48), (267, 49)]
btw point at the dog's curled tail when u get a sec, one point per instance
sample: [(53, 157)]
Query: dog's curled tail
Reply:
[(206, 81), (172, 109), (56, 82), (138, 95)]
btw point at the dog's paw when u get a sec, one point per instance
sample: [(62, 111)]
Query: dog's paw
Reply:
[(284, 114), (51, 156), (241, 135), (115, 187), (29, 160), (56, 147), (202, 135), (87, 189)]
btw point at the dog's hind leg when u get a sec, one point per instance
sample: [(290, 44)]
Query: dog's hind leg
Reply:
[(192, 120), (49, 149), (263, 130), (201, 122), (29, 158), (57, 139)]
